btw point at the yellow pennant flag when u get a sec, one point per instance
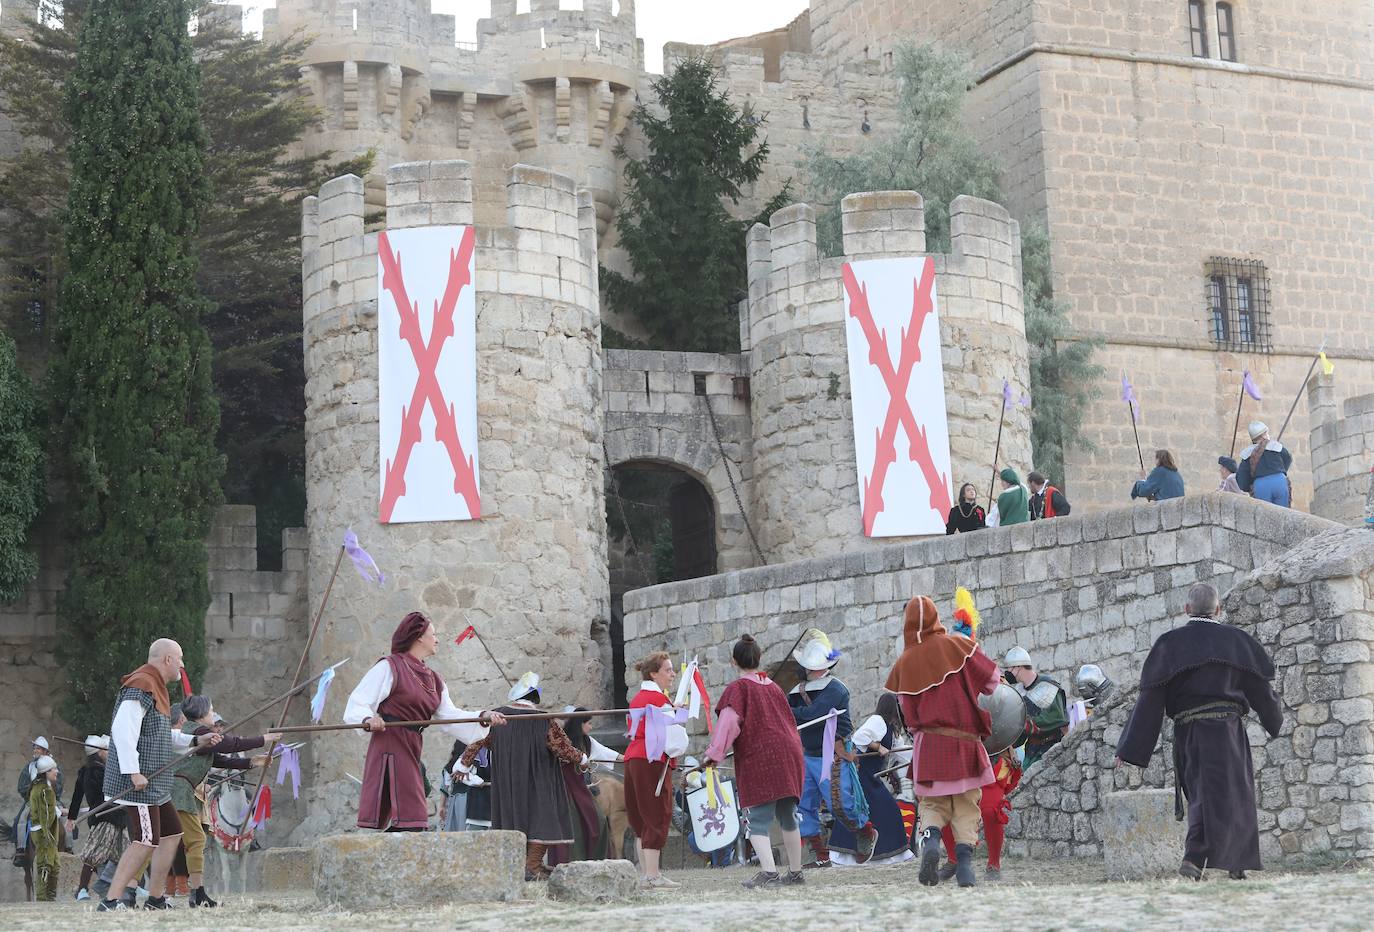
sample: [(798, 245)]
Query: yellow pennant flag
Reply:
[(1328, 366)]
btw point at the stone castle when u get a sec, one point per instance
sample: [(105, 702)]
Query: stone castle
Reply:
[(1245, 262)]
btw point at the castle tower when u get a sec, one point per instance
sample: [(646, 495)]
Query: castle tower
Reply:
[(1342, 445), (530, 574), (806, 497)]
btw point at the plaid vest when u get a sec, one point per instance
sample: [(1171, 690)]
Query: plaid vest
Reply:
[(154, 751)]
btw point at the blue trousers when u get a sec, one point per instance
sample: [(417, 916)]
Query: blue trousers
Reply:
[(816, 792), (1272, 488)]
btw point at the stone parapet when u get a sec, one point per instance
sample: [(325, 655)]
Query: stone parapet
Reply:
[(1342, 450)]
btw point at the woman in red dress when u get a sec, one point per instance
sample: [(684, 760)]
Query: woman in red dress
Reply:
[(648, 788), (757, 723)]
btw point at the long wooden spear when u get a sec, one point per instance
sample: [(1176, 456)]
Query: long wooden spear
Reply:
[(176, 759), (1294, 406), (426, 722)]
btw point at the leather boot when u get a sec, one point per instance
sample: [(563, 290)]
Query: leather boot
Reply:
[(963, 865), (930, 857), (534, 861)]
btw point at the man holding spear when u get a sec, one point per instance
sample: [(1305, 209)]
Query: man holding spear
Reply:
[(143, 741)]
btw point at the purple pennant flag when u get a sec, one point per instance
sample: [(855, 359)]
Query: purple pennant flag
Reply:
[(828, 745), (362, 561), (1024, 400), (1250, 387), (636, 716), (1006, 394), (321, 693), (289, 763), (1128, 396), (656, 728)]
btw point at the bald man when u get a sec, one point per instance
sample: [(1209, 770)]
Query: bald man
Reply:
[(142, 742)]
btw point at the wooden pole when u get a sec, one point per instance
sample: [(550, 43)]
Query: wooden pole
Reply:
[(424, 723), (1235, 431), (1141, 456), (501, 669), (1294, 406), (996, 454)]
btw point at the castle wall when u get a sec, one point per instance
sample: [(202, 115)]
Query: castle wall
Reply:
[(1095, 588), (1342, 444), (530, 574), (1311, 609), (806, 497)]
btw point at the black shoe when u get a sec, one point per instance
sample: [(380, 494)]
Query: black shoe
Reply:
[(947, 870), (157, 902), (930, 857), (761, 879), (111, 906), (963, 865), (200, 898), (1236, 875), (792, 878), (1189, 871)]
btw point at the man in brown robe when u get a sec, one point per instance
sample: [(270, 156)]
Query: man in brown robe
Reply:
[(527, 789), (1206, 675)]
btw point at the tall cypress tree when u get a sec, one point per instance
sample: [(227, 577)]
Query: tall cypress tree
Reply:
[(137, 414)]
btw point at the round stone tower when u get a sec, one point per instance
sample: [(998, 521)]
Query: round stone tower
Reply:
[(1342, 445), (805, 486), (530, 574)]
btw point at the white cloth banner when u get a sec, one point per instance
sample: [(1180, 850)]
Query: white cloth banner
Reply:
[(897, 387), (427, 375)]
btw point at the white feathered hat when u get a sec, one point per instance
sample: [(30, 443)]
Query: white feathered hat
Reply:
[(527, 684), (815, 651)]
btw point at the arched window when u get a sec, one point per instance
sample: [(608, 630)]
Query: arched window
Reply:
[(1197, 28), (1226, 32)]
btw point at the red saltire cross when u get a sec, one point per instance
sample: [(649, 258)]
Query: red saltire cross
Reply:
[(898, 410), (427, 390)]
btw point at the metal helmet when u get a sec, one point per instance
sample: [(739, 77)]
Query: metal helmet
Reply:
[(1091, 682), (1018, 657)]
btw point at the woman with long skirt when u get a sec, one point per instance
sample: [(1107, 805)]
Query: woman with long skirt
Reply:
[(876, 734)]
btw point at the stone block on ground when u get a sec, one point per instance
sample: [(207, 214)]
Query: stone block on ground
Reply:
[(1140, 837), (375, 871), (594, 882), (278, 869)]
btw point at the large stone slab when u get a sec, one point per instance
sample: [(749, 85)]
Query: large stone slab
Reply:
[(378, 870), (594, 882), (279, 869), (1140, 837)]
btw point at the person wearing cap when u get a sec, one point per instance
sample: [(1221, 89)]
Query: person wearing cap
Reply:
[(1163, 482), (1013, 505), (1046, 501), (27, 775), (105, 834), (1047, 705), (648, 804), (188, 790), (528, 793), (938, 679), (1264, 467), (45, 831), (138, 775), (1207, 676), (402, 688), (1228, 475), (819, 695)]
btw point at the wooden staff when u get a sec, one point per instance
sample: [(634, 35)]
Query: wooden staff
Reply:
[(176, 759), (285, 709), (426, 722), (1235, 430), (1130, 406), (997, 452), (1294, 406), (501, 669)]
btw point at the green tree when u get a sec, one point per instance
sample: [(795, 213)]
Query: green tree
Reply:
[(248, 239), (929, 151), (686, 250), (131, 367), (21, 473)]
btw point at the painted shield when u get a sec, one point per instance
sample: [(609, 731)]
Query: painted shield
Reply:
[(715, 817), (1008, 717)]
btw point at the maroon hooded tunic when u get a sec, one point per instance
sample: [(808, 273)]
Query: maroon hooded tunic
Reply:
[(393, 787)]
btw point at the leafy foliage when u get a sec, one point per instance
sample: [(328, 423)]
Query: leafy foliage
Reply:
[(131, 361), (686, 250), (21, 473), (930, 152)]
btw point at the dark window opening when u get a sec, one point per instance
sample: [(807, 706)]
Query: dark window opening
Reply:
[(1197, 28), (699, 383), (1238, 304), (1226, 32)]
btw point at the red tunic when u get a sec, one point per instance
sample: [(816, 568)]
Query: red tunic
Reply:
[(393, 789), (768, 752), (938, 756)]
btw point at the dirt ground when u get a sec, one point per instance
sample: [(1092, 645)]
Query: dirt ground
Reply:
[(1034, 896)]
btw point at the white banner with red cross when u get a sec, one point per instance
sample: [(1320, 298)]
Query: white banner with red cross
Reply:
[(427, 375), (897, 387)]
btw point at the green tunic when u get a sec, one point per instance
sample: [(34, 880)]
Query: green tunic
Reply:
[(43, 815), (190, 773), (1013, 506)]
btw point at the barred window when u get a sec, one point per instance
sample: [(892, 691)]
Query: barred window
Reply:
[(1197, 28), (1226, 32), (1238, 304)]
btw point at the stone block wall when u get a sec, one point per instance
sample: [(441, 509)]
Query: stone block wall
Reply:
[(655, 414), (1312, 609), (530, 574), (806, 496), (1096, 588), (1342, 444)]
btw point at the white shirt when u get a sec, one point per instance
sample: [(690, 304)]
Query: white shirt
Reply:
[(600, 752), (376, 685), (128, 725), (873, 730)]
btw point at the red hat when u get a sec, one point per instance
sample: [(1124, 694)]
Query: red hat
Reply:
[(408, 632)]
